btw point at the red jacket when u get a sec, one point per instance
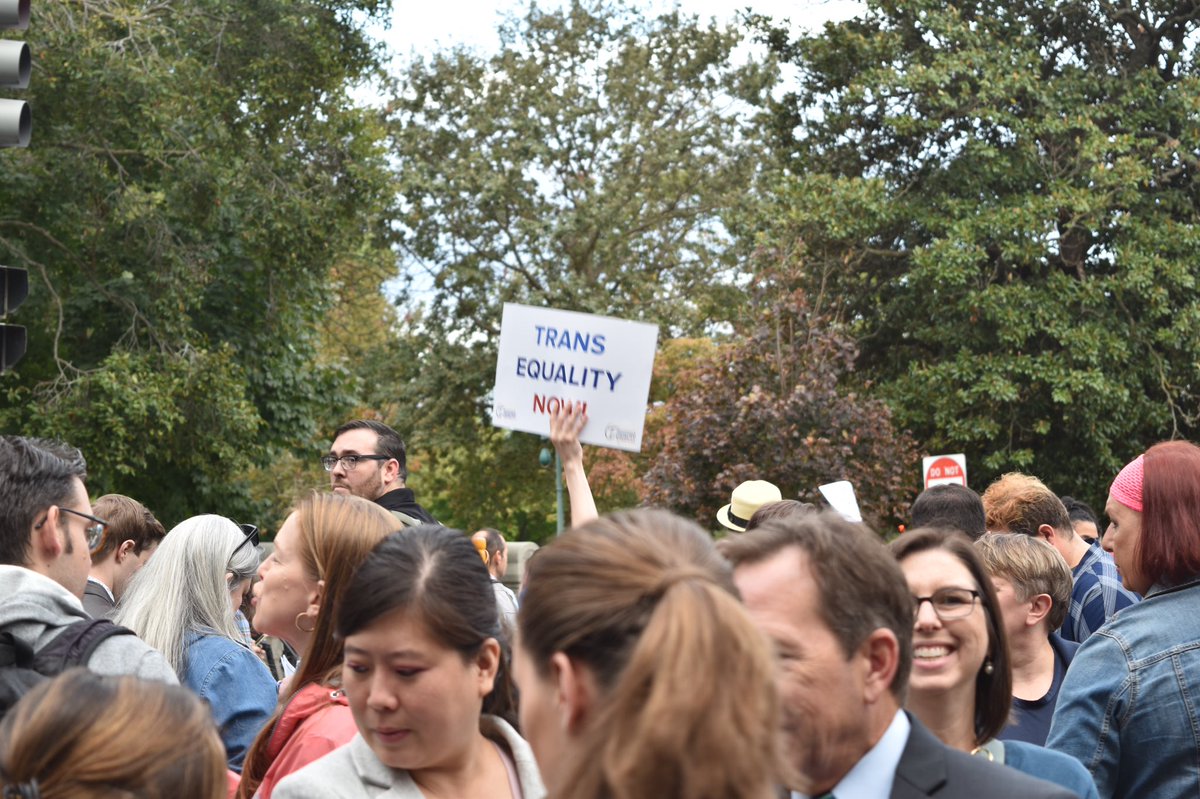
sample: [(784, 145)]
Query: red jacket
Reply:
[(316, 721)]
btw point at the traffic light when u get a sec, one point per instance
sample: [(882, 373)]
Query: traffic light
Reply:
[(15, 118), (15, 126), (14, 288)]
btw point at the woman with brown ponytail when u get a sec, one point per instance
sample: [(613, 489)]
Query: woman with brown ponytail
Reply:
[(317, 550), (641, 675)]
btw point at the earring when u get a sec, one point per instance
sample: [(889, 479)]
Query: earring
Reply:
[(988, 668), (300, 616)]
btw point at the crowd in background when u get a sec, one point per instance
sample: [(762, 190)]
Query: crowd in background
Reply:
[(1006, 644)]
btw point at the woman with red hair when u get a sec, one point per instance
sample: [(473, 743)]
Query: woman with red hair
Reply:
[(1128, 705)]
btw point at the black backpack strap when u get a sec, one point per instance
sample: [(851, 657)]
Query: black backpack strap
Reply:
[(15, 652), (17, 676), (75, 645)]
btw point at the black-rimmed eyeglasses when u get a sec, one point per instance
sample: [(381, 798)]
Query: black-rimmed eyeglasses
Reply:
[(948, 603), (94, 531), (252, 538), (349, 462)]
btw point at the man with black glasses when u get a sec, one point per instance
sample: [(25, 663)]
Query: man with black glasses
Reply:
[(47, 533), (368, 460)]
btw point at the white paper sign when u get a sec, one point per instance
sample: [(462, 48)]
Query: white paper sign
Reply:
[(548, 357), (840, 496)]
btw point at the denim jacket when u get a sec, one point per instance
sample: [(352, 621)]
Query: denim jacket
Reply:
[(1129, 707), (236, 685)]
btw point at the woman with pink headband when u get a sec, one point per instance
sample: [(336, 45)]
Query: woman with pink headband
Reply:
[(1129, 707)]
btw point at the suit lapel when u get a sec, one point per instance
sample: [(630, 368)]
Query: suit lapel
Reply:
[(922, 768)]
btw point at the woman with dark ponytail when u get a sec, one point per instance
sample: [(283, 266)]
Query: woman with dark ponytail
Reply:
[(641, 674), (426, 674)]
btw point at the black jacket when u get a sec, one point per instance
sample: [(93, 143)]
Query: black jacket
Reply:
[(403, 500)]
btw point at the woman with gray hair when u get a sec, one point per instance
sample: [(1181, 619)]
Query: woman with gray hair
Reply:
[(182, 603)]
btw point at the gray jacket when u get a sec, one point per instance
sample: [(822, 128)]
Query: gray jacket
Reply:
[(35, 609), (354, 772), (97, 601)]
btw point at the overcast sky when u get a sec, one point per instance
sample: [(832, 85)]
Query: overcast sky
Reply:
[(426, 25)]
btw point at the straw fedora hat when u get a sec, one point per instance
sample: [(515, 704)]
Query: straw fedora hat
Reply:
[(747, 498)]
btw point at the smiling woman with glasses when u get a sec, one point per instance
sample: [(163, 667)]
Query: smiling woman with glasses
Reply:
[(182, 603), (948, 603), (961, 681)]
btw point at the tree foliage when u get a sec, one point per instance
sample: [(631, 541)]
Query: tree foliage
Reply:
[(584, 166), (197, 171), (772, 406), (1001, 199)]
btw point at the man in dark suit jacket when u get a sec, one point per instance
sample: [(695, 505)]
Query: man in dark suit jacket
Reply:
[(836, 605), (130, 538)]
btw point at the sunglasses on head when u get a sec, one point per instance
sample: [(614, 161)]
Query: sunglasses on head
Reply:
[(252, 538)]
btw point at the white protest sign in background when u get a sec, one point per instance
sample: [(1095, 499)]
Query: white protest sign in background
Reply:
[(548, 357), (840, 496)]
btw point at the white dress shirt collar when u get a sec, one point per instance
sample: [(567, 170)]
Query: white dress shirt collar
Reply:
[(874, 773)]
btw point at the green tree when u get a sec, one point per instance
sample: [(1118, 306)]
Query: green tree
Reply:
[(197, 172), (584, 166), (1001, 199)]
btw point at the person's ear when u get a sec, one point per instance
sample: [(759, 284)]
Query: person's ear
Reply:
[(125, 550), (46, 538), (880, 654), (314, 599), (487, 660), (1046, 533), (575, 691), (1039, 608), (391, 470)]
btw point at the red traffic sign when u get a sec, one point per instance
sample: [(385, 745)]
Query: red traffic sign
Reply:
[(941, 469)]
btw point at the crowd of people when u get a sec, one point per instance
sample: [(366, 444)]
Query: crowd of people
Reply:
[(1006, 644)]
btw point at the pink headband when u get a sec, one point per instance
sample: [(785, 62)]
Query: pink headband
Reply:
[(1127, 488)]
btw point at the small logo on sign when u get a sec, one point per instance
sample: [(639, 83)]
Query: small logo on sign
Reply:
[(614, 433)]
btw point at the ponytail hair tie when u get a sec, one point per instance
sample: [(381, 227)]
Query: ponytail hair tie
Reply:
[(678, 575), (1127, 488)]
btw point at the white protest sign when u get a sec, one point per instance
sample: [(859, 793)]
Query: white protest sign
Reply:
[(840, 496), (938, 470), (548, 357)]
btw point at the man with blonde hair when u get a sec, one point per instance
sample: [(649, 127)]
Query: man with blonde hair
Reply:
[(1020, 503), (1033, 585)]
